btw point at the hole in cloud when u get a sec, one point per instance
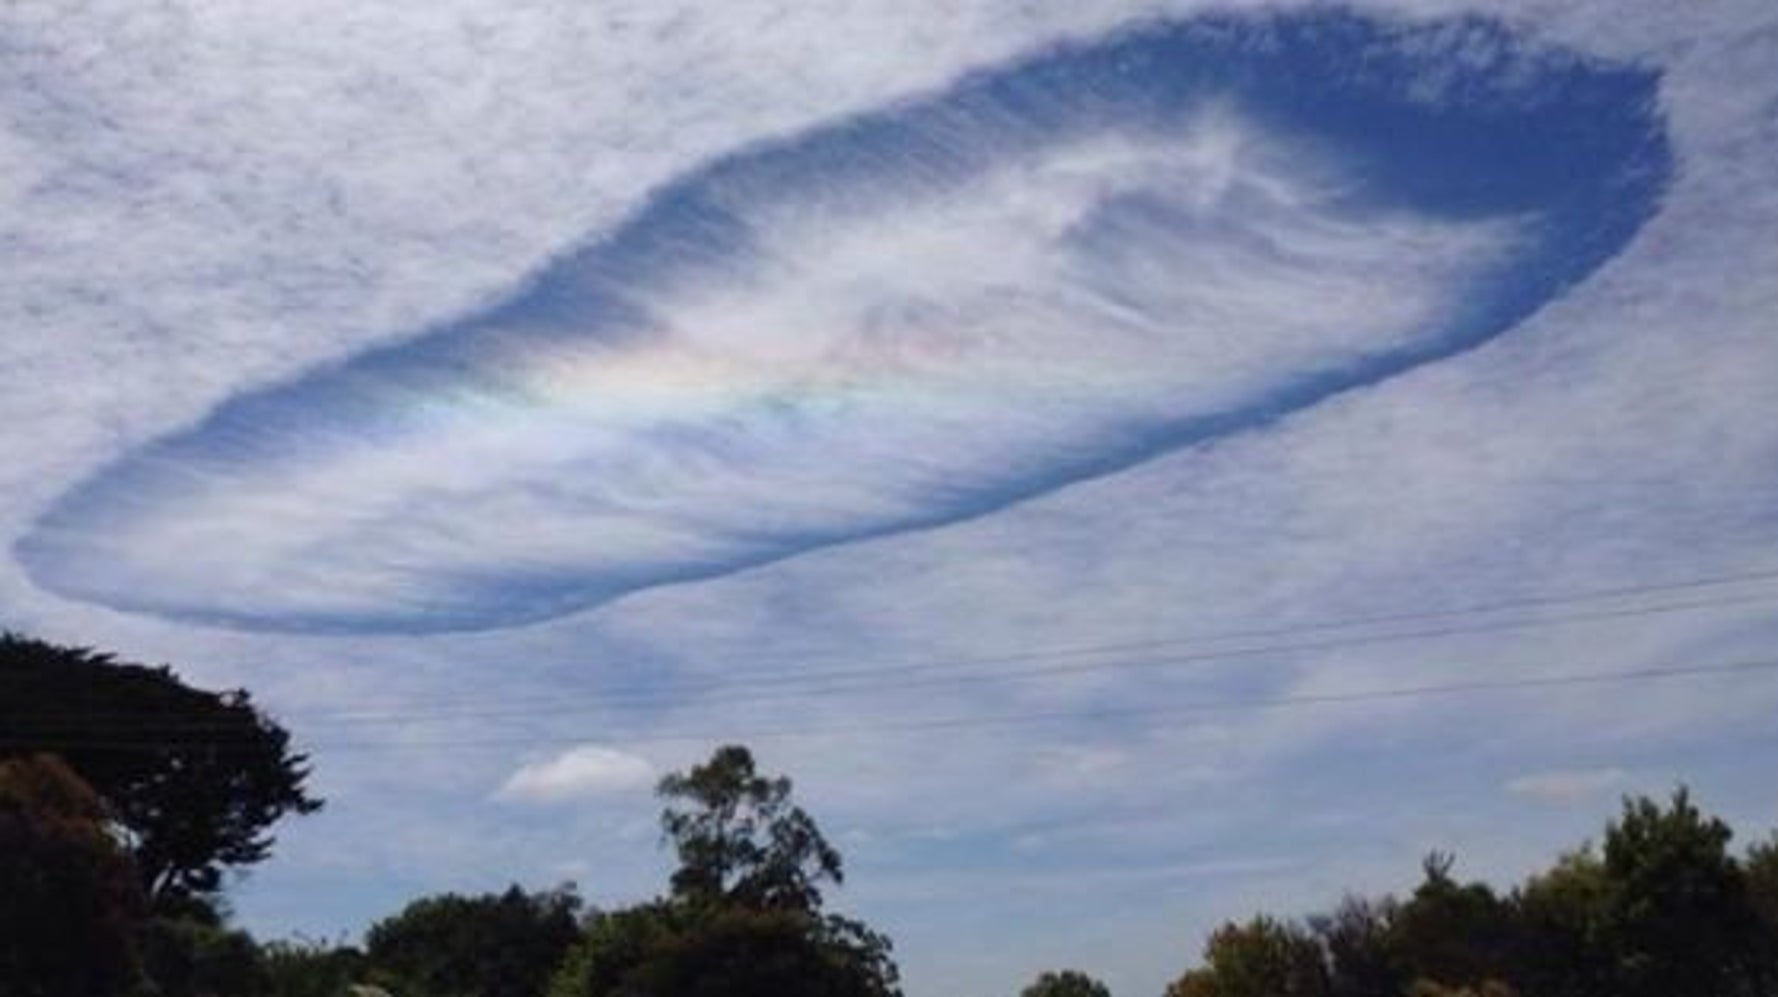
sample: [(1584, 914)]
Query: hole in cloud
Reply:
[(1051, 271)]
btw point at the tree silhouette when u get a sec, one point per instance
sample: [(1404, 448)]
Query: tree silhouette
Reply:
[(195, 779)]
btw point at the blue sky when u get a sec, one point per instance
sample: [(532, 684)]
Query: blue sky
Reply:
[(1129, 464)]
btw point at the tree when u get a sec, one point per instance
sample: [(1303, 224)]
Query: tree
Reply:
[(195, 779), (750, 952), (1679, 920), (1762, 893), (68, 898), (494, 945), (1452, 934), (740, 840), (1562, 919), (1261, 958), (1356, 938), (743, 916), (310, 969), (200, 957), (1066, 983)]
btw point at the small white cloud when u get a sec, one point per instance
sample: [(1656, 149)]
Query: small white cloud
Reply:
[(584, 770), (1568, 784)]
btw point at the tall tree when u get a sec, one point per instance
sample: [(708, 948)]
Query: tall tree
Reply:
[(743, 917), (195, 779), (68, 900), (739, 838), (1450, 933), (1680, 920)]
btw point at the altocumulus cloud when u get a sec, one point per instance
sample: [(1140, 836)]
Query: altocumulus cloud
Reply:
[(582, 771), (1049, 272)]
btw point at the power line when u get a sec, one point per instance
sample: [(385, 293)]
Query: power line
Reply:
[(1009, 720), (894, 681), (796, 674)]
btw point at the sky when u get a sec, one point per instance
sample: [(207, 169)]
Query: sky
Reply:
[(1132, 464)]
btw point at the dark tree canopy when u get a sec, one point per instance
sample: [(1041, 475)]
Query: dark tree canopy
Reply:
[(1262, 958), (1066, 983), (1450, 933), (740, 840), (310, 969), (714, 951), (196, 779), (495, 945), (68, 899), (195, 957), (1678, 913), (1662, 909)]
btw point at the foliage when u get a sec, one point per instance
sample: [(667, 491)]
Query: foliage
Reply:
[(743, 915), (1679, 918), (310, 969), (68, 897), (1762, 891), (1661, 909), (197, 957), (495, 945), (740, 840), (195, 779), (1066, 983), (1562, 922), (1450, 933), (670, 947), (1357, 940), (1260, 958)]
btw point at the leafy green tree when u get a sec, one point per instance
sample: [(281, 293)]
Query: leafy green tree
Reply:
[(200, 957), (1762, 893), (310, 969), (494, 945), (743, 916), (1562, 917), (749, 952), (740, 840), (1356, 939), (1680, 920), (68, 897), (1762, 880), (1262, 958), (1066, 983), (1450, 933), (194, 779)]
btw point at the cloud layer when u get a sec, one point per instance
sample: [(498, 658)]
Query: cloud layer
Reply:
[(206, 200), (1051, 271)]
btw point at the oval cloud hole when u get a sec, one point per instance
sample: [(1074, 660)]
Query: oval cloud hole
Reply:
[(1052, 270)]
